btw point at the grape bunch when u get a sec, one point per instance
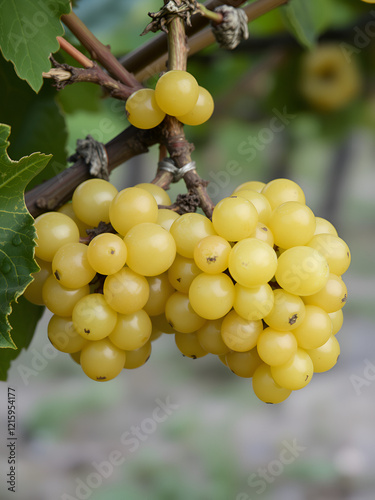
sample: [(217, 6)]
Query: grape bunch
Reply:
[(178, 94), (259, 286)]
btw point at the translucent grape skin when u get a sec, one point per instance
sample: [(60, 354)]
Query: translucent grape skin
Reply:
[(53, 230), (107, 253), (189, 345), (101, 360), (142, 109), (296, 373), (201, 111), (93, 318), (188, 230), (71, 267), (151, 249), (234, 218), (91, 201), (265, 387), (211, 295), (176, 92)]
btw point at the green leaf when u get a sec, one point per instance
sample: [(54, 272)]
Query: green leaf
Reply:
[(28, 31), (36, 121), (17, 232), (23, 319), (298, 18)]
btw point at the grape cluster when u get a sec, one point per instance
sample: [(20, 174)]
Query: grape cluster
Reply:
[(178, 94), (259, 286)]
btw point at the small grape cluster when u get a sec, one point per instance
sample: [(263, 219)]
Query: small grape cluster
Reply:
[(259, 286), (178, 94)]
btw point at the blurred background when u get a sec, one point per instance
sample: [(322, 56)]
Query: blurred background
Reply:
[(216, 439)]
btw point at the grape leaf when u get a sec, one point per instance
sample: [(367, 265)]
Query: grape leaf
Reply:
[(298, 18), (17, 232), (34, 120), (23, 319), (28, 31)]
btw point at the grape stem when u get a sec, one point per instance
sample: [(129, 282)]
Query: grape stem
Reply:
[(64, 74), (213, 16), (150, 58), (174, 139), (99, 52)]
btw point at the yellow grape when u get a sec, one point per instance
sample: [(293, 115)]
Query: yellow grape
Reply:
[(234, 218), (263, 233), (151, 249), (240, 334), (279, 191), (59, 299), (91, 201), (161, 196), (71, 267), (107, 253), (337, 319), (138, 357), (292, 224), (131, 331), (302, 270), (211, 295), (335, 251), (189, 345), (252, 262), (126, 291), (287, 313), (182, 272), (130, 207), (176, 92), (260, 202), (101, 360), (325, 357), (142, 109), (166, 218), (53, 230), (188, 229), (33, 292), (253, 185), (245, 363), (160, 291), (296, 373), (265, 387), (63, 336), (209, 336), (93, 318), (324, 226), (211, 254), (253, 303), (276, 347), (180, 314), (201, 111), (331, 297), (315, 329), (68, 210)]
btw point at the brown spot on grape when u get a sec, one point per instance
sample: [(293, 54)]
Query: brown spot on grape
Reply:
[(348, 254), (86, 330), (293, 319), (306, 378), (57, 275), (112, 252), (178, 279), (263, 228), (101, 378), (212, 259), (193, 356), (344, 299), (149, 356)]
